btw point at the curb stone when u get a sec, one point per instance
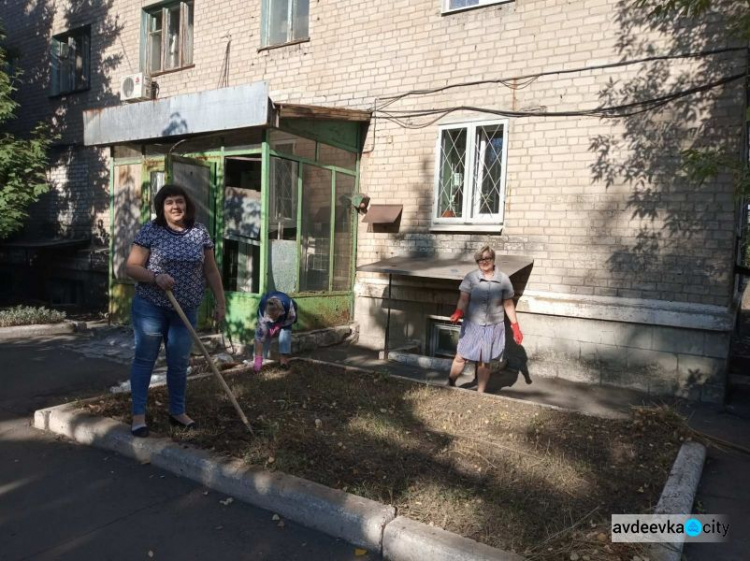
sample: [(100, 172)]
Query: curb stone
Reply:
[(18, 331), (359, 521), (409, 540), (355, 519), (678, 495)]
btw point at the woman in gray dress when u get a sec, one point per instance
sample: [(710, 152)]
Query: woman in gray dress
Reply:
[(486, 296)]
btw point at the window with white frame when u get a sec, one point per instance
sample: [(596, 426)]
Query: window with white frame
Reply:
[(454, 5), (167, 37), (470, 173), (285, 21), (71, 58)]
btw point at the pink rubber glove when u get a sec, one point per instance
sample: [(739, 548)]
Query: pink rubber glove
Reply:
[(273, 330), (258, 363), (517, 335)]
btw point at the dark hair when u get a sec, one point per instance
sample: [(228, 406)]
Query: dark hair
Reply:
[(171, 190)]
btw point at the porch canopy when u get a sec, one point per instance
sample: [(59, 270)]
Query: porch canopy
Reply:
[(231, 108), (452, 268)]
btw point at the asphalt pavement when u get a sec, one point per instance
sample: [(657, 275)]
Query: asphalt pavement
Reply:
[(63, 501)]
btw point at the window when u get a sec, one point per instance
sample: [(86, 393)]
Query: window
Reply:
[(285, 21), (70, 56), (453, 5), (470, 174), (167, 37)]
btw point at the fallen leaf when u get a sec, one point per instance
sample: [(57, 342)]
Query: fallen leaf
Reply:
[(227, 501), (150, 553), (275, 517), (280, 524), (360, 552)]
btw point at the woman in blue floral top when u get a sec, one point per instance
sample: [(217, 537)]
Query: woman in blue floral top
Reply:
[(172, 252)]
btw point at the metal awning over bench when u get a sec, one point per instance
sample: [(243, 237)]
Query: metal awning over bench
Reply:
[(452, 268)]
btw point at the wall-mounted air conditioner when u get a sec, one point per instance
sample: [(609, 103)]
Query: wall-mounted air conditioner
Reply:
[(135, 87)]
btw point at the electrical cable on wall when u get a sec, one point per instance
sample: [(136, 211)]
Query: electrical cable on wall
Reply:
[(403, 118)]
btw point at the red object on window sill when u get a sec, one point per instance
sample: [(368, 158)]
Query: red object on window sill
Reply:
[(448, 213)]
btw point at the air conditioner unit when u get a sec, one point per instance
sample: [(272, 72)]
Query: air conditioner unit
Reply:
[(135, 87)]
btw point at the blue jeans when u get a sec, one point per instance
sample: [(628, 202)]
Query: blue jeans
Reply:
[(285, 342), (151, 325)]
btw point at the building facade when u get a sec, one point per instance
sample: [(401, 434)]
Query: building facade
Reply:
[(553, 131)]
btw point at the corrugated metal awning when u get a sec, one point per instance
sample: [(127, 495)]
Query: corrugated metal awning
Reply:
[(229, 108), (442, 267)]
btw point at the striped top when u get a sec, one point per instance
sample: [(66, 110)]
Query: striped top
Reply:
[(486, 296)]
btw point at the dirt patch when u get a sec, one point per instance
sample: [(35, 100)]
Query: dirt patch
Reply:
[(512, 475)]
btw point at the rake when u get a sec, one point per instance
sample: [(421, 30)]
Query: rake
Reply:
[(203, 349)]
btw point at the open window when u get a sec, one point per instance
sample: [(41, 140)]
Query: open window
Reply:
[(70, 57), (167, 37)]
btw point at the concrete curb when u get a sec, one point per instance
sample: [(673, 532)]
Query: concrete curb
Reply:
[(20, 331), (408, 540), (359, 521), (355, 519), (678, 495)]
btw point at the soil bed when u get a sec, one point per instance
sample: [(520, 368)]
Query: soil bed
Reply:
[(512, 475)]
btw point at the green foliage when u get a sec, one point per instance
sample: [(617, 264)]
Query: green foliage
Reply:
[(28, 315), (667, 9), (23, 161)]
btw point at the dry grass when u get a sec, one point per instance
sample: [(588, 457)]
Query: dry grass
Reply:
[(541, 482)]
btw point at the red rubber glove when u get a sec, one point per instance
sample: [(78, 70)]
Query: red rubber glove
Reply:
[(258, 363), (517, 335), (457, 315), (273, 330)]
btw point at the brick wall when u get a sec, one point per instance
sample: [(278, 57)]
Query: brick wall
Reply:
[(597, 203)]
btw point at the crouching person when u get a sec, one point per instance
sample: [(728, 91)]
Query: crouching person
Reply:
[(276, 315)]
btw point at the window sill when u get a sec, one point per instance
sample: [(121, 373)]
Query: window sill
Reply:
[(282, 45), (170, 71), (476, 7), (71, 92), (464, 228)]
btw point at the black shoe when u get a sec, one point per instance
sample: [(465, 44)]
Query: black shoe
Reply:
[(192, 425), (141, 431), (451, 382)]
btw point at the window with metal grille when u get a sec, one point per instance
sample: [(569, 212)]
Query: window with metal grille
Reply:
[(167, 37), (70, 56), (470, 174), (285, 21)]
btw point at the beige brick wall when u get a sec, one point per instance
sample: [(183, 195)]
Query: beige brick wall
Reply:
[(624, 225)]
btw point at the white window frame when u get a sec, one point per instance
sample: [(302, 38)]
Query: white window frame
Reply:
[(290, 31), (187, 36), (446, 5), (469, 201), (64, 50)]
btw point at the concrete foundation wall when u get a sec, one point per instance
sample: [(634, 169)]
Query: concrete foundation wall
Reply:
[(661, 360)]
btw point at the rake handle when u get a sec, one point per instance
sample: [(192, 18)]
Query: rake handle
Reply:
[(203, 349)]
